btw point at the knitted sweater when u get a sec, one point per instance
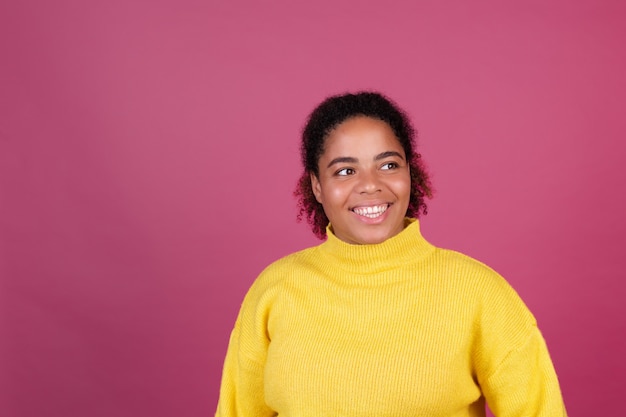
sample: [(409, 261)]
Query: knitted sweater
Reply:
[(400, 328)]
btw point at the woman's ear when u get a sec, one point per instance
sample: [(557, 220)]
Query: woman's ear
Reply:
[(316, 187)]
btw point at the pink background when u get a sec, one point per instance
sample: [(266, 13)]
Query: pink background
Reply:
[(148, 151)]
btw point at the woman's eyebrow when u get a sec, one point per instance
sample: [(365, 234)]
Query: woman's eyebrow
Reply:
[(341, 160), (387, 155), (352, 160)]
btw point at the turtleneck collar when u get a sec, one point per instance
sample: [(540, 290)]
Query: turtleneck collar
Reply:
[(408, 246)]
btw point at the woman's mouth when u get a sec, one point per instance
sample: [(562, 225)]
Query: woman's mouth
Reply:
[(372, 211)]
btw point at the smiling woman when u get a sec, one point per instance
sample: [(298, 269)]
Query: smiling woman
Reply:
[(377, 321), (356, 115), (364, 181)]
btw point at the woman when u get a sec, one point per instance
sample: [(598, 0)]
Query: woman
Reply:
[(376, 321)]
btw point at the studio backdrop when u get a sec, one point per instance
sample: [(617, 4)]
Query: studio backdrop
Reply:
[(149, 151)]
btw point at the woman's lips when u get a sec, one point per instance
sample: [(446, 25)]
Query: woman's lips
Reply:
[(371, 212)]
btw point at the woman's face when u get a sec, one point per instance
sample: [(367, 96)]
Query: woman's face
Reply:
[(364, 182)]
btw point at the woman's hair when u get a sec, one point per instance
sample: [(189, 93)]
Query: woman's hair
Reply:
[(324, 119)]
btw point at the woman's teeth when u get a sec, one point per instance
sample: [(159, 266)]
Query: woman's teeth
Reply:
[(371, 212)]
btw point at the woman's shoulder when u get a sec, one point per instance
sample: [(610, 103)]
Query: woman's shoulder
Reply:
[(287, 266), (462, 263), (474, 275), (296, 259)]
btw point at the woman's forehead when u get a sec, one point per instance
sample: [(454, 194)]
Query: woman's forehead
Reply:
[(364, 137)]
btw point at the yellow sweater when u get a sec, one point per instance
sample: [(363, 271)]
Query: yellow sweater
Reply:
[(400, 328)]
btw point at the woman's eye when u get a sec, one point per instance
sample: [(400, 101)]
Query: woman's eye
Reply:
[(345, 171), (390, 165)]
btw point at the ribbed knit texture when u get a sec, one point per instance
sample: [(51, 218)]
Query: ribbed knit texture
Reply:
[(400, 328)]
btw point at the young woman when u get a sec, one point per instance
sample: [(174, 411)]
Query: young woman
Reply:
[(376, 321)]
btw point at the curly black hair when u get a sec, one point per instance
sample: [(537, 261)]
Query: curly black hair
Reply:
[(324, 119)]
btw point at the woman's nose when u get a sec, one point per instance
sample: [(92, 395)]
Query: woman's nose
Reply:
[(369, 182)]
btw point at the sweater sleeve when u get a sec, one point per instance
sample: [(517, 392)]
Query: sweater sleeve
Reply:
[(525, 384), (242, 387), (513, 365), (241, 390)]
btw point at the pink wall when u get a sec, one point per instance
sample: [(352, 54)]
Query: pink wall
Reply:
[(148, 151)]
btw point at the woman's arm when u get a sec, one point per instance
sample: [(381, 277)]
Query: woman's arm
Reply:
[(525, 383), (241, 392)]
